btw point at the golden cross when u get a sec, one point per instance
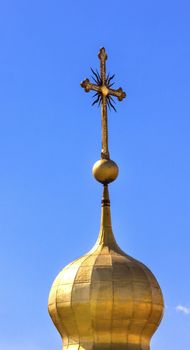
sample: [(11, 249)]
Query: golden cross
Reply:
[(104, 92)]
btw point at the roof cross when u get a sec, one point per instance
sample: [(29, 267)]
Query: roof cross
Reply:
[(103, 95)]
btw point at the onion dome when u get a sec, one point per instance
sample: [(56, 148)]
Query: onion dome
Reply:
[(105, 300)]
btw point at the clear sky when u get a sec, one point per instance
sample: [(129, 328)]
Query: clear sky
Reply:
[(50, 138)]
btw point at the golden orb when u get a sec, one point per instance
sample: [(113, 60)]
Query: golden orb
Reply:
[(105, 171)]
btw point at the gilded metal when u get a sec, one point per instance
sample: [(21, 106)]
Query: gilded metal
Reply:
[(104, 92), (106, 300), (105, 171)]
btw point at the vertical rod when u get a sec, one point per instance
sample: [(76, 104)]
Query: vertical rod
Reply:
[(104, 153), (103, 70)]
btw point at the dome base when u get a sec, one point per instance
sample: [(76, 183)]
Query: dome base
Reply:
[(113, 346)]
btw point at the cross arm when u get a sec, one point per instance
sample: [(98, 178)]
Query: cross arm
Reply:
[(87, 85), (119, 93)]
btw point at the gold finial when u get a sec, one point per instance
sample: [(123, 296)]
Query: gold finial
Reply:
[(105, 170), (105, 299)]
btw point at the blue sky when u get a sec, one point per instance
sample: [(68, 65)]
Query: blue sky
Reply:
[(50, 138)]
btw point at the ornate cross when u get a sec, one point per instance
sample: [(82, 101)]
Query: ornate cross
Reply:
[(104, 94)]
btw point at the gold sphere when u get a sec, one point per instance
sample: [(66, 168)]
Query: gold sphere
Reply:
[(105, 171)]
